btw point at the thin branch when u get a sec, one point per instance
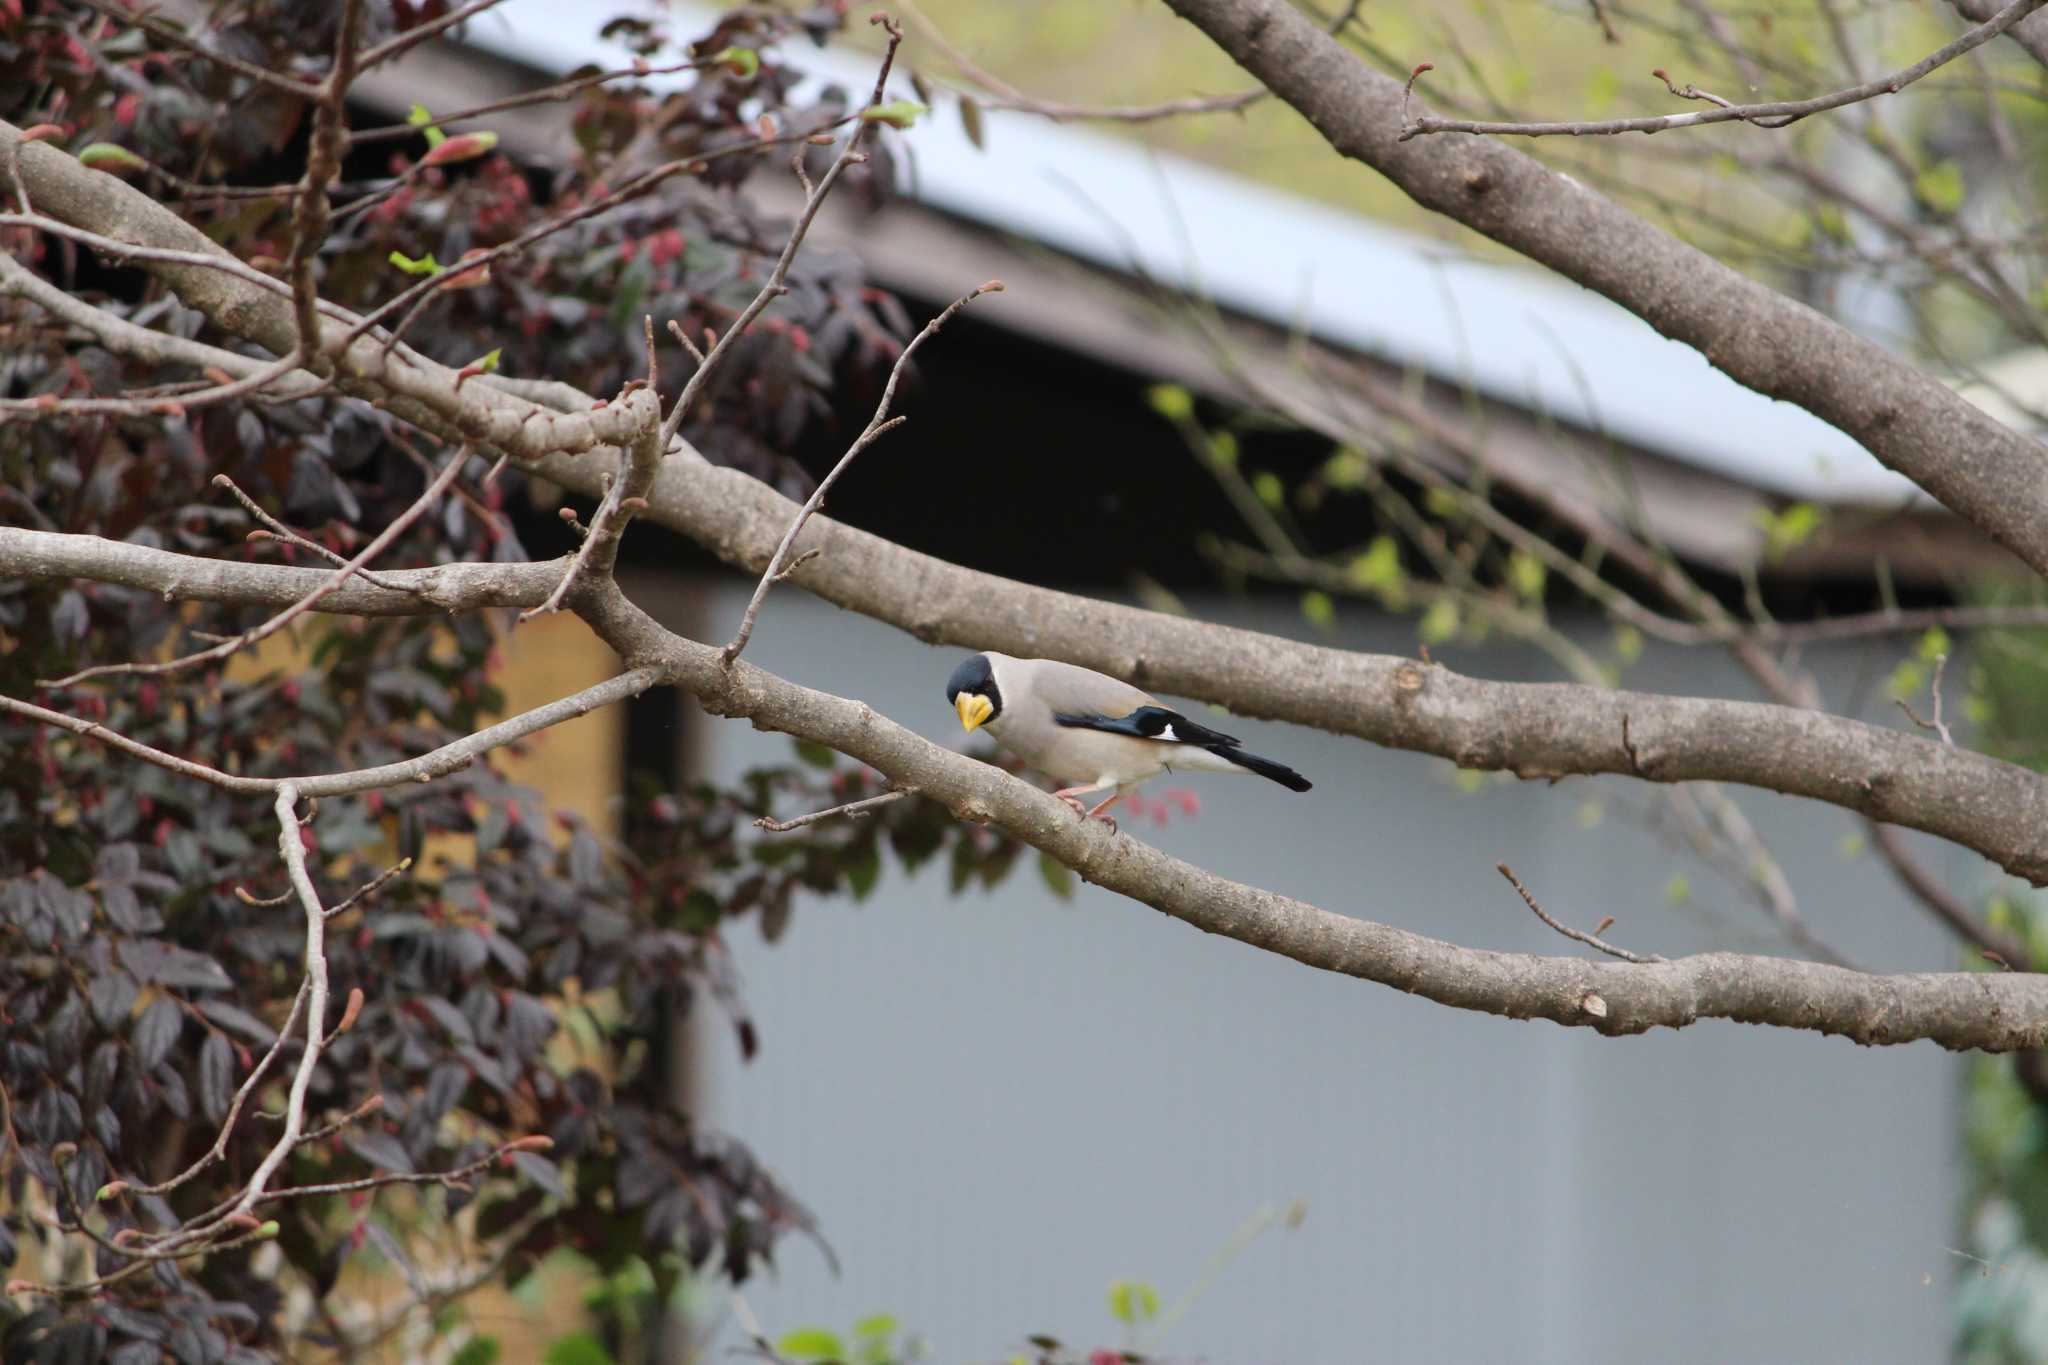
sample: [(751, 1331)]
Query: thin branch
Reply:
[(369, 888), (453, 1175), (1577, 936), (552, 94), (878, 425), (286, 534), (451, 757), (219, 1148), (292, 848), (1938, 725), (382, 539), (1002, 95), (157, 28), (853, 810), (328, 144), (1772, 115), (392, 48), (849, 154)]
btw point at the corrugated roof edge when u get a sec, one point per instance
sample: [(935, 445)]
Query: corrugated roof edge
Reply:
[(1518, 337)]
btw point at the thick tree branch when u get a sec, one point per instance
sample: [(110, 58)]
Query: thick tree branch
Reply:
[(1998, 1012), (1958, 1010), (1982, 470), (50, 557)]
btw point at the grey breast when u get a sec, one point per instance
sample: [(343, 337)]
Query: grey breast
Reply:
[(1035, 690)]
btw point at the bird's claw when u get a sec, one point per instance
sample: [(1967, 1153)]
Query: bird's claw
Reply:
[(1081, 809)]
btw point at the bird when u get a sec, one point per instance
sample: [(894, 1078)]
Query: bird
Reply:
[(1091, 732)]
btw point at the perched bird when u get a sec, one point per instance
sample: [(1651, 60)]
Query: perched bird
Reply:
[(1088, 732)]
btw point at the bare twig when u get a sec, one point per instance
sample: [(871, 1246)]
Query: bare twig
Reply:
[(1000, 94), (382, 539), (413, 37), (451, 757), (323, 165), (219, 1148), (1771, 115), (148, 23), (369, 888), (292, 848), (849, 154), (852, 810), (877, 426), (1590, 940), (1938, 725), (291, 537)]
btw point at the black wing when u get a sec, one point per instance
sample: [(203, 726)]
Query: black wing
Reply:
[(1150, 722)]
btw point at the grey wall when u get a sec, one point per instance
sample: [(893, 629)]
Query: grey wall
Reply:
[(998, 1104)]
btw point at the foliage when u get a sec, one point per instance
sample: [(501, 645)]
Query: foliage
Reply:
[(525, 975)]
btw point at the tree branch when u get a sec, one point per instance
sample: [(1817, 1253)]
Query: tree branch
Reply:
[(1913, 423), (1771, 115), (1998, 1012)]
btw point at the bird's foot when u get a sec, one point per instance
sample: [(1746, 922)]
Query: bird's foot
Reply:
[(1095, 813)]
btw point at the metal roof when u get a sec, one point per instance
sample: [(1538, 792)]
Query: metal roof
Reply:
[(1515, 335)]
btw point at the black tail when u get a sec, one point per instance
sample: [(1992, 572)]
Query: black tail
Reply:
[(1264, 767)]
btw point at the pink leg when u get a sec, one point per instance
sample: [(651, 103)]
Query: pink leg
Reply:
[(1101, 806), (1068, 795)]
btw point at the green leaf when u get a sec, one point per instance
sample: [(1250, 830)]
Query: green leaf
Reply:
[(1907, 680), (488, 362), (1347, 470), (1934, 644), (742, 62), (425, 265), (862, 874), (1526, 575), (109, 156), (1133, 1301), (1628, 644), (811, 1343), (1788, 528), (1059, 879), (1590, 814), (1603, 87), (1678, 890), (1171, 401), (1319, 609), (577, 1348), (1266, 484), (814, 753), (1853, 845), (897, 114), (1379, 568), (1223, 449), (879, 1325), (1440, 622), (477, 1350), (1442, 503), (1941, 188), (424, 121)]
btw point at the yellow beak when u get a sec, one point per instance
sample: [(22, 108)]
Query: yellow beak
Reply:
[(973, 710)]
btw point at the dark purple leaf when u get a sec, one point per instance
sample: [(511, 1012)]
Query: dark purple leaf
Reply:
[(541, 1172), (216, 1076), (156, 1032), (170, 965), (111, 997), (381, 1150)]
